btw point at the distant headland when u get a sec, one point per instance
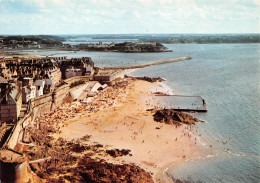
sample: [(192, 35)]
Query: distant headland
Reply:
[(131, 47)]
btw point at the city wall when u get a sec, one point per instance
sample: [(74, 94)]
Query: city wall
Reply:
[(16, 133), (39, 106)]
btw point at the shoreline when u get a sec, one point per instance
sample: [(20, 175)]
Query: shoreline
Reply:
[(123, 122), (123, 132)]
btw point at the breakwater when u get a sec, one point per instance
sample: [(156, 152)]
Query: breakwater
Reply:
[(136, 66)]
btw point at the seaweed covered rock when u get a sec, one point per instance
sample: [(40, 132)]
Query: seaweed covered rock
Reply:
[(145, 78), (116, 152), (149, 79), (170, 116), (91, 170)]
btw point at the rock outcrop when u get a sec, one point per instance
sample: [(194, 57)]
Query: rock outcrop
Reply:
[(145, 78), (117, 152), (173, 117)]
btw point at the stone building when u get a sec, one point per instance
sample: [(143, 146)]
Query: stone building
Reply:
[(11, 102), (54, 75), (28, 93), (108, 76), (85, 64), (30, 78), (72, 73), (27, 81), (40, 83)]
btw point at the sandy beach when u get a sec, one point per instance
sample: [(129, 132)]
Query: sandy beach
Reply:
[(119, 119)]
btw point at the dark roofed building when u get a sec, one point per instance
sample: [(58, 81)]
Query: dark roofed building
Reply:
[(11, 102)]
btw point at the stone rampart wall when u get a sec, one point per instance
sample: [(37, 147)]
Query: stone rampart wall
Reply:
[(38, 106)]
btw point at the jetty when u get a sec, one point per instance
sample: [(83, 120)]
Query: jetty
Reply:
[(136, 66)]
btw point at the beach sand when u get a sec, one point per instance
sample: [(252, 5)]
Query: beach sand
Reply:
[(121, 120)]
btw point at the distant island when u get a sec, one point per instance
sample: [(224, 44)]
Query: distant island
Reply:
[(131, 47)]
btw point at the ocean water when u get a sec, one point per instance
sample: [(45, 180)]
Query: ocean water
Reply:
[(227, 77)]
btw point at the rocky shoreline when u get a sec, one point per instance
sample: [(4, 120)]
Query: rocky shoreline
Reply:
[(61, 160)]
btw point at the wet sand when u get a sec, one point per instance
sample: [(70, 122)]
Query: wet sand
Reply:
[(121, 121)]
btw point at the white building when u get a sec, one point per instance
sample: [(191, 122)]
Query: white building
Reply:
[(28, 93), (39, 87), (89, 69), (48, 85)]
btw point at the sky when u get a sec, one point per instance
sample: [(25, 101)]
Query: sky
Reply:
[(129, 16)]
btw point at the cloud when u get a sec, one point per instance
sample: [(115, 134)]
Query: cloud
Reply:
[(110, 16), (257, 2), (3, 20)]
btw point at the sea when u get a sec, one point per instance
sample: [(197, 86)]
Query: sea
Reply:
[(227, 76)]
